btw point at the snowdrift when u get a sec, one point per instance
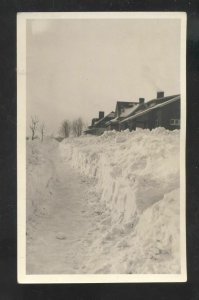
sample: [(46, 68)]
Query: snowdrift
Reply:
[(137, 177)]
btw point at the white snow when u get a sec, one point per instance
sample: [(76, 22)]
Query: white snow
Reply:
[(112, 202), (129, 110), (57, 218), (137, 177)]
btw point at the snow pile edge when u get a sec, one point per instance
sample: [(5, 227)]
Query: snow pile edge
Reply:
[(133, 169), (137, 175)]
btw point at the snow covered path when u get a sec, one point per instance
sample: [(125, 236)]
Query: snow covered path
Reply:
[(57, 239), (108, 204)]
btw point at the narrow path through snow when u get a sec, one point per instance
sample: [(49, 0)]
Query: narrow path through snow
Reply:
[(57, 241), (78, 225)]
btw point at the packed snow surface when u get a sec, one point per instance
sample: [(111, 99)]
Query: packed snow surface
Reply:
[(130, 198)]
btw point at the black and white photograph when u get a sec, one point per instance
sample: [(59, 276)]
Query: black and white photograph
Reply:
[(101, 123)]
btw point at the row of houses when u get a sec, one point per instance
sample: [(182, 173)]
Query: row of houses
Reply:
[(159, 112)]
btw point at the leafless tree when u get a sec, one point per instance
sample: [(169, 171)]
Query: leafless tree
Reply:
[(77, 127), (34, 126), (42, 131), (65, 129), (85, 125)]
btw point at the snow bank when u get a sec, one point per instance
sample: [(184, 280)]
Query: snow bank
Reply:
[(134, 170), (137, 176)]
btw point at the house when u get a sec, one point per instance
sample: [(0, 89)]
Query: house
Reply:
[(98, 125), (123, 110), (159, 112)]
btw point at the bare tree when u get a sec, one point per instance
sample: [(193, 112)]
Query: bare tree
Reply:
[(85, 125), (42, 131), (77, 127), (65, 129), (34, 126)]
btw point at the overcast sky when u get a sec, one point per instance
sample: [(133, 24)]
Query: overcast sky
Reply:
[(77, 67)]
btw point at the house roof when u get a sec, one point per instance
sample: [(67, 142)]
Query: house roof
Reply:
[(171, 100), (162, 99), (114, 120), (129, 110), (125, 104), (110, 115)]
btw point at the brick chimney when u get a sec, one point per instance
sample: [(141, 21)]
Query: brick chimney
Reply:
[(101, 114), (141, 100), (160, 94)]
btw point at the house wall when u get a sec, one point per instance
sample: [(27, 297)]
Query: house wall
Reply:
[(96, 131), (169, 112), (131, 125), (113, 126), (160, 117)]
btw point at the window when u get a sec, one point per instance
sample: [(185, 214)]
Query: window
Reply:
[(157, 123), (175, 122), (172, 122)]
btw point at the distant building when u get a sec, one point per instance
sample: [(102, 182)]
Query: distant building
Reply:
[(98, 125), (159, 112), (123, 110)]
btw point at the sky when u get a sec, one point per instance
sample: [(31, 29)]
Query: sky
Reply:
[(77, 67)]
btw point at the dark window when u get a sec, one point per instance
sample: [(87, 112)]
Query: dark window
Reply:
[(174, 122)]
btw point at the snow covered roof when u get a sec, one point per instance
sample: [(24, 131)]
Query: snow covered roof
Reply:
[(121, 105), (129, 110), (109, 116), (175, 98), (114, 120)]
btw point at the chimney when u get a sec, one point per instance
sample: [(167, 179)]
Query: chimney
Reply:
[(101, 115), (141, 100), (160, 95)]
